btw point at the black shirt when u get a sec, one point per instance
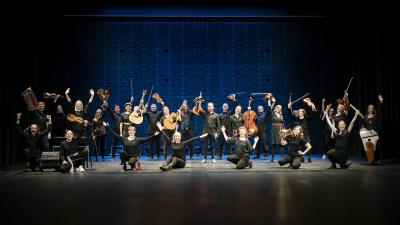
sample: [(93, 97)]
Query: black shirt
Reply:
[(178, 149), (211, 123), (262, 120), (375, 122), (152, 118), (77, 127), (242, 148), (341, 139), (224, 116), (131, 146), (295, 143), (116, 119), (186, 121), (31, 142), (59, 122), (236, 122)]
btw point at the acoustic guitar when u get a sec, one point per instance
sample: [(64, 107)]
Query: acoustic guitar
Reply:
[(136, 115), (171, 121)]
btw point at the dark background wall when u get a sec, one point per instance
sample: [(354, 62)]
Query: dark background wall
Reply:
[(311, 48)]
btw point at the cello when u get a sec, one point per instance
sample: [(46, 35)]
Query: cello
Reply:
[(249, 118)]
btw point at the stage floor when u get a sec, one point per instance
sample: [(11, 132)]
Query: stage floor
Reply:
[(204, 194)]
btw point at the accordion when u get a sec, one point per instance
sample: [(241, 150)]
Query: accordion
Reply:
[(50, 156)]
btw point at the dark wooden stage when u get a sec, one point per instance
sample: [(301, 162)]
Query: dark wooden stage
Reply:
[(204, 194)]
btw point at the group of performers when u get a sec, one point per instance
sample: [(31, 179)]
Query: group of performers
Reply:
[(231, 128)]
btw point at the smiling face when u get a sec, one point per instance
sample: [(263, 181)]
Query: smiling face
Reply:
[(340, 108), (78, 106), (128, 108), (260, 109), (243, 132), (210, 107), (69, 135), (98, 113), (33, 129), (225, 107), (342, 125), (117, 109), (238, 110), (131, 131), (41, 106), (278, 109), (166, 110), (297, 130), (331, 112), (177, 137), (371, 109), (153, 107), (302, 113), (295, 113), (59, 109)]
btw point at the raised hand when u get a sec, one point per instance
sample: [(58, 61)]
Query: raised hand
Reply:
[(91, 91), (203, 135), (67, 91), (380, 98), (19, 115), (223, 129)]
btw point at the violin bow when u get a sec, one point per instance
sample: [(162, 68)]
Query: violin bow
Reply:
[(151, 92), (301, 98)]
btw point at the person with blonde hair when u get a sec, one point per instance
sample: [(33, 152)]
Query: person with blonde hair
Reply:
[(295, 139)]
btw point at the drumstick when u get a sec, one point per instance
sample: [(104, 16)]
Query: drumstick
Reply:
[(300, 98)]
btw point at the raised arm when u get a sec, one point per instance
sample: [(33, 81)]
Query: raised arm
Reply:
[(67, 94), (18, 125), (353, 121), (91, 95), (120, 137), (227, 139), (194, 138), (333, 128)]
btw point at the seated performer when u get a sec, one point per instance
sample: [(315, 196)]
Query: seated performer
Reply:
[(296, 141), (339, 153), (70, 155), (32, 139), (241, 157), (177, 159), (131, 143)]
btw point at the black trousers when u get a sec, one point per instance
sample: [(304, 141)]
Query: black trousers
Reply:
[(155, 145), (78, 160), (338, 155), (44, 143), (100, 141), (210, 138), (132, 160), (166, 143), (262, 144), (32, 158), (294, 160), (240, 162), (175, 162), (186, 135)]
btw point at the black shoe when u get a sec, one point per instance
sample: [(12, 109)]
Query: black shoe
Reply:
[(309, 160), (333, 166), (348, 163), (191, 157), (250, 164), (279, 162)]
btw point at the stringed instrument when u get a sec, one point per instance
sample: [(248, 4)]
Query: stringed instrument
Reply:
[(47, 95), (103, 94), (136, 115), (268, 96), (249, 118), (172, 120), (197, 106), (76, 119), (157, 97), (310, 104), (345, 100)]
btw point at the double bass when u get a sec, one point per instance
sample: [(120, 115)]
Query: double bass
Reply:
[(249, 118)]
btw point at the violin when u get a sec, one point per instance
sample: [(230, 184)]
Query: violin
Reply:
[(268, 96), (73, 118), (310, 103), (157, 97), (249, 118), (103, 94), (47, 95), (197, 108)]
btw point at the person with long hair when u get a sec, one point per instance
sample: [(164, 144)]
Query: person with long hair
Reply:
[(99, 133), (296, 141), (328, 140), (243, 147), (341, 135), (277, 124), (70, 155), (32, 140)]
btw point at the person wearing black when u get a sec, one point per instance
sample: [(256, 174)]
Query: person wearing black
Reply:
[(225, 121), (341, 135), (153, 116), (32, 139), (211, 126), (69, 154), (168, 132), (82, 112), (236, 121), (296, 141), (131, 144), (243, 147), (99, 133), (116, 117), (262, 120), (185, 126), (302, 119), (59, 122), (372, 121), (178, 156), (328, 141), (125, 123)]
